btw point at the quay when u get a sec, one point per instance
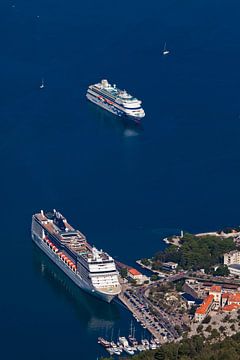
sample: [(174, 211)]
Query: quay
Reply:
[(138, 315), (150, 269)]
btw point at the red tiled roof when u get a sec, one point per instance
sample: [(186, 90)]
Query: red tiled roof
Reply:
[(205, 305), (216, 288), (134, 272), (230, 307), (234, 297), (225, 295)]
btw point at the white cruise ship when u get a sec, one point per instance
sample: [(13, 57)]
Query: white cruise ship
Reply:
[(92, 270), (117, 101)]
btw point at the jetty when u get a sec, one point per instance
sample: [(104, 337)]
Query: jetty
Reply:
[(139, 315)]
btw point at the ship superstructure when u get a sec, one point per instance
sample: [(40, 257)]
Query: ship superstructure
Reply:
[(117, 101), (92, 270)]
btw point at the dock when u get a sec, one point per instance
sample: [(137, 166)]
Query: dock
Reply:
[(139, 315)]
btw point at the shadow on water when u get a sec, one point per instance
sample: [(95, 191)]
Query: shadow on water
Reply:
[(123, 125), (95, 312)]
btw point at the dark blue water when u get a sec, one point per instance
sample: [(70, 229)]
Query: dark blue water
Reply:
[(124, 186)]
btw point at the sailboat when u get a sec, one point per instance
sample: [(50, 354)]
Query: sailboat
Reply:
[(165, 51), (42, 84)]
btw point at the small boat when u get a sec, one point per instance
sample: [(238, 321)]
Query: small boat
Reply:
[(123, 341), (110, 351), (128, 350), (141, 348), (104, 342), (113, 351), (165, 51), (145, 343), (42, 84)]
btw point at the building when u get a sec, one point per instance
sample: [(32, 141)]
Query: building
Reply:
[(216, 291), (194, 288), (233, 257), (204, 308), (169, 266), (137, 276), (225, 297), (234, 269), (234, 299), (230, 308)]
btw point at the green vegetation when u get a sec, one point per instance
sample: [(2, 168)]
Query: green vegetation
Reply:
[(124, 273), (196, 348), (154, 277), (207, 319), (222, 270), (196, 252), (145, 262)]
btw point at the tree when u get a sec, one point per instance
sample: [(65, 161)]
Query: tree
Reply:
[(214, 334), (222, 329), (222, 270), (124, 273), (154, 277), (160, 354), (209, 328), (145, 262), (226, 318), (199, 328), (207, 319)]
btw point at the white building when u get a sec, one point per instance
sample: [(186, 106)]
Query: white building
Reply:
[(233, 257), (137, 276), (216, 291), (234, 269), (170, 266)]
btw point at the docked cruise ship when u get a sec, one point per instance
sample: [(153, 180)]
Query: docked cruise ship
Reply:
[(92, 270), (117, 101)]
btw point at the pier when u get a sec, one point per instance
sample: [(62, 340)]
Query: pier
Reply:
[(139, 316)]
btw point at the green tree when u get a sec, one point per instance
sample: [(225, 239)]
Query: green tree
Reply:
[(199, 328), (145, 262), (209, 328), (124, 273), (154, 277), (222, 270), (207, 319)]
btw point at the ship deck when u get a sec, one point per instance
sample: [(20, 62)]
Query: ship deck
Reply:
[(69, 237)]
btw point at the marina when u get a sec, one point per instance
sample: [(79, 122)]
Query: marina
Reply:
[(127, 346)]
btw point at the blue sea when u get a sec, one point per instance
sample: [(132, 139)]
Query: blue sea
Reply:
[(125, 186)]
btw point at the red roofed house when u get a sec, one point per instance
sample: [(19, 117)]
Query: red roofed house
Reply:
[(216, 291), (230, 307), (204, 308), (234, 299), (136, 275), (225, 297)]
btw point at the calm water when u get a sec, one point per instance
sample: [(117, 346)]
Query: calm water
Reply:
[(124, 186)]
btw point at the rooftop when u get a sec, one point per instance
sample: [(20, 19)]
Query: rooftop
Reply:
[(234, 298), (230, 307), (234, 266), (205, 305), (134, 272), (216, 288), (225, 295), (232, 252)]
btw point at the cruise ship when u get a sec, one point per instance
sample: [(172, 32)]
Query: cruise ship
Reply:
[(90, 269), (117, 101)]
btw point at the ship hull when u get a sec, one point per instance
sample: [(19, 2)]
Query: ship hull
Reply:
[(72, 275), (111, 108)]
